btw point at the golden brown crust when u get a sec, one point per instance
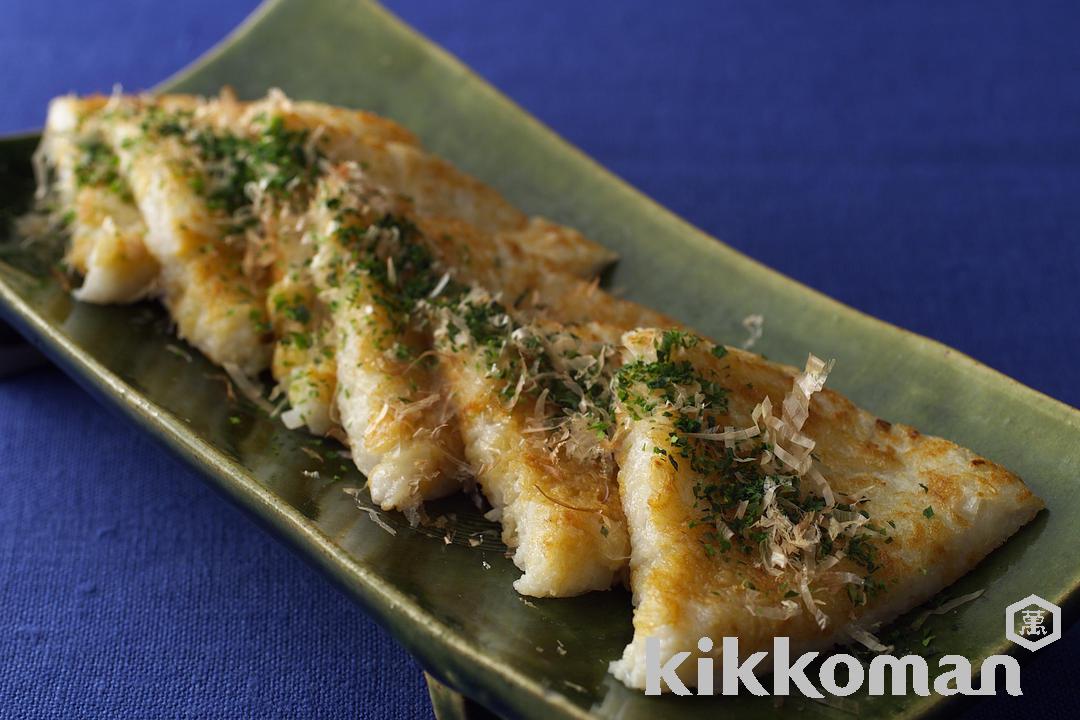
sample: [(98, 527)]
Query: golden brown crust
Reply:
[(943, 507)]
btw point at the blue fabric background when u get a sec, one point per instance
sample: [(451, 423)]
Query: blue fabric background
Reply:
[(918, 161)]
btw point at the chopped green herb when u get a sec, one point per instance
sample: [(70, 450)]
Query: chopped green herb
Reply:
[(98, 166)]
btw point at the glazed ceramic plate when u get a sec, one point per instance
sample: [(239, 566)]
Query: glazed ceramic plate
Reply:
[(452, 605)]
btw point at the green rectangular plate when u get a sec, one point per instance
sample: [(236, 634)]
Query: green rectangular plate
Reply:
[(453, 605)]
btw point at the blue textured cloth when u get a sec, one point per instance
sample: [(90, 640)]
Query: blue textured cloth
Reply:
[(928, 154)]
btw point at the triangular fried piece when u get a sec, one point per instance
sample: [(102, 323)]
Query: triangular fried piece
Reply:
[(802, 516), (191, 171), (439, 192), (94, 201), (535, 410), (372, 272), (429, 189)]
